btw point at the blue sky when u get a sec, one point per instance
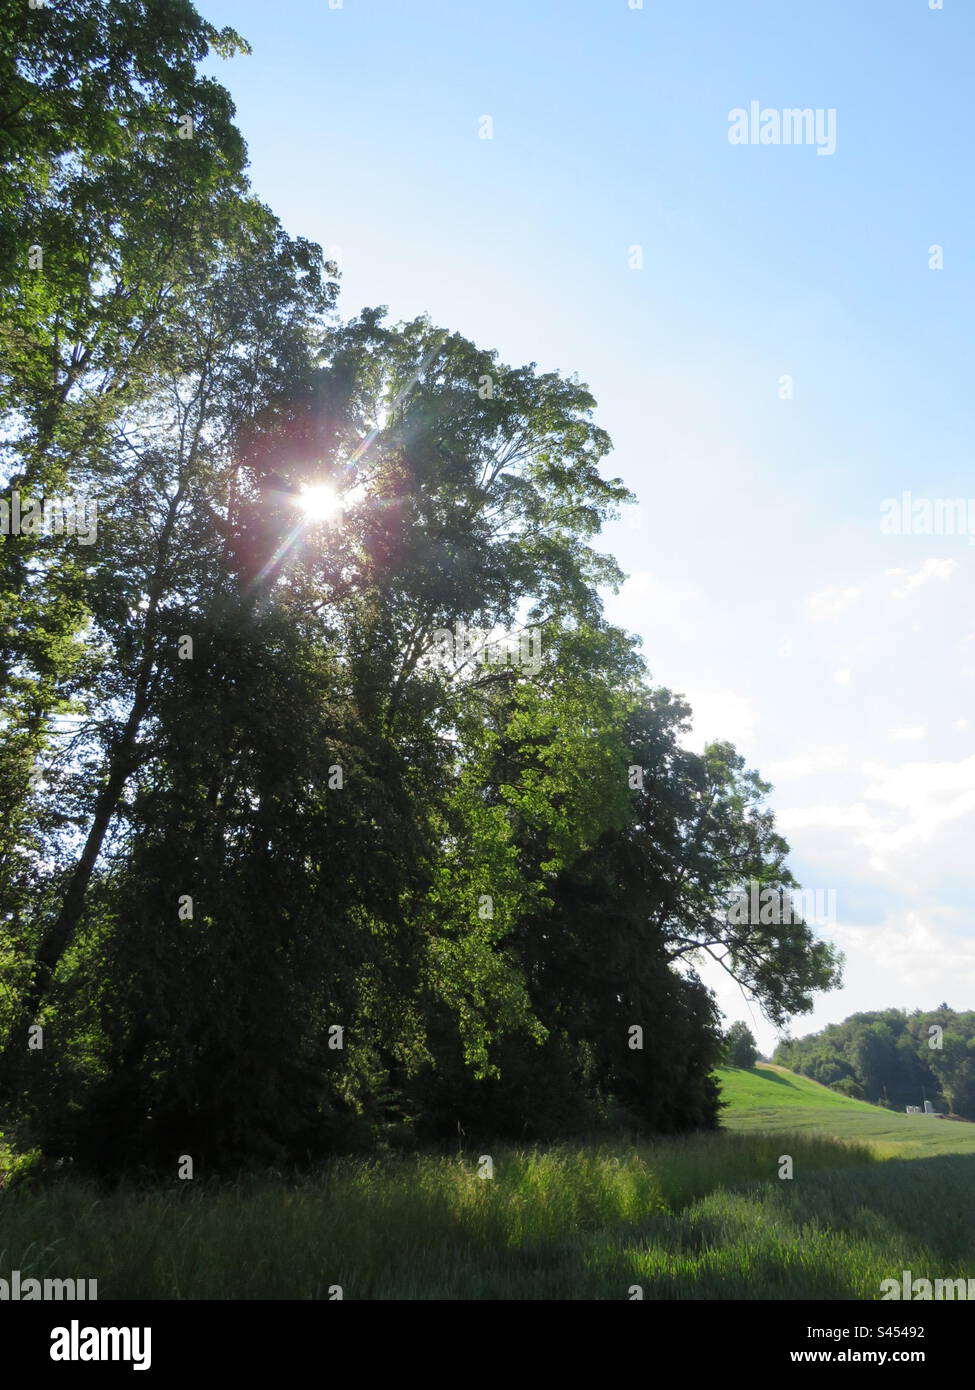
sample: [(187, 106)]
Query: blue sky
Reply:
[(840, 658)]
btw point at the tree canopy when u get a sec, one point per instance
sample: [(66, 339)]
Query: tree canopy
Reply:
[(320, 825), (740, 1049), (894, 1058)]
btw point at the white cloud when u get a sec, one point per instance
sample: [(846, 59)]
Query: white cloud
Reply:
[(824, 759), (645, 602), (832, 817), (842, 677), (931, 569), (911, 826), (909, 732), (910, 960), (932, 792), (922, 962), (719, 714), (828, 603)]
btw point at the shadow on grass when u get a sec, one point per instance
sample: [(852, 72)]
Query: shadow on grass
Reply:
[(833, 1235), (776, 1076), (691, 1228)]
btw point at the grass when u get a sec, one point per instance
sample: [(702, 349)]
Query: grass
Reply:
[(703, 1217), (771, 1099)]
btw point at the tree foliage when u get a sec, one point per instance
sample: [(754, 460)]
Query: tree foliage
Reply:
[(740, 1049), (295, 853), (895, 1058)]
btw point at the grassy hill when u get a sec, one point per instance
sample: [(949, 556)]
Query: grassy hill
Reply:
[(772, 1099)]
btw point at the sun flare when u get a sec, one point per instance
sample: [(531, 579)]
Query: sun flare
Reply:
[(320, 503)]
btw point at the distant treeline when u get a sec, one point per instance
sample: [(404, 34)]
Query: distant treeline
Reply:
[(893, 1058)]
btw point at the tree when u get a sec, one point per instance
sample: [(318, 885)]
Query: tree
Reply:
[(740, 1049), (848, 1087), (574, 912), (289, 860), (954, 1065), (893, 1058), (238, 341), (105, 215), (705, 835)]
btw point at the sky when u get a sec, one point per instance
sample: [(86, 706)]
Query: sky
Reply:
[(778, 336)]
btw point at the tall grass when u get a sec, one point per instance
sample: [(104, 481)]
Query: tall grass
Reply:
[(705, 1216)]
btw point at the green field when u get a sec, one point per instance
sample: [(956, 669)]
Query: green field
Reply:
[(773, 1099), (707, 1217)]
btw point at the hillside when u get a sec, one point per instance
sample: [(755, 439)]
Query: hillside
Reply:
[(773, 1099)]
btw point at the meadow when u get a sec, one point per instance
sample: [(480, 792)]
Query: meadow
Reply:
[(704, 1217), (771, 1099)]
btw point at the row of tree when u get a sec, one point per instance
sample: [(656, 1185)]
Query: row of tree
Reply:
[(272, 880), (893, 1058)]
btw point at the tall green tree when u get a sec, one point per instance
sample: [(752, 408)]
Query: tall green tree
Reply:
[(105, 212), (740, 1049), (286, 863)]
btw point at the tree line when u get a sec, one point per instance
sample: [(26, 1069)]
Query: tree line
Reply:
[(278, 874), (894, 1058)]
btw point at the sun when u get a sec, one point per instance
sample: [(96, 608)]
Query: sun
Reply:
[(320, 502)]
